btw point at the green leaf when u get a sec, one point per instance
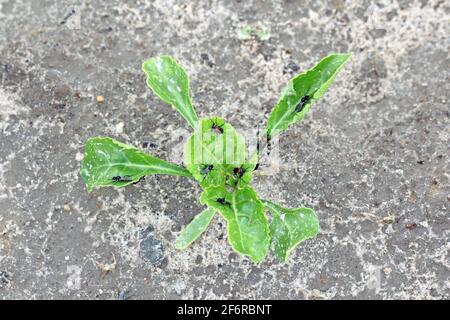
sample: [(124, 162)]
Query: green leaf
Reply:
[(309, 86), (108, 162), (289, 227), (248, 229), (194, 229), (246, 32), (213, 151), (263, 33), (169, 81), (259, 31)]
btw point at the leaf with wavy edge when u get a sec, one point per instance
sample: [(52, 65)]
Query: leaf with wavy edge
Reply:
[(222, 149), (289, 227), (310, 86), (248, 229), (169, 81), (108, 162)]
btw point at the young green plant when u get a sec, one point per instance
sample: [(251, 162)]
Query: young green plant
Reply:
[(215, 155)]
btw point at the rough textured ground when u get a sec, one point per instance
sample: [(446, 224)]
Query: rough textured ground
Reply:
[(371, 158)]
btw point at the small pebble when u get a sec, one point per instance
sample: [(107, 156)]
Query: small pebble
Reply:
[(121, 295), (79, 156), (179, 287), (119, 127), (388, 220), (293, 66), (100, 99), (411, 226)]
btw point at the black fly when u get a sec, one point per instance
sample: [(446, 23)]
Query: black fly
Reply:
[(121, 179), (303, 101), (238, 172), (222, 201), (216, 128), (206, 169)]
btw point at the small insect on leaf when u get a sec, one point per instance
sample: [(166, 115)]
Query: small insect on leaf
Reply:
[(121, 179), (216, 128), (303, 101), (216, 156), (205, 146), (206, 169), (217, 125), (108, 162), (302, 90), (238, 172), (222, 201)]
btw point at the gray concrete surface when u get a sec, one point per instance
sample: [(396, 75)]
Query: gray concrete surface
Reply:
[(371, 158)]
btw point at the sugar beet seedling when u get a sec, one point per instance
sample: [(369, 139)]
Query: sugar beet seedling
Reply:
[(215, 155)]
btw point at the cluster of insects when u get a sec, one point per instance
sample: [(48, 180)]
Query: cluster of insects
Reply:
[(216, 156), (238, 172)]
